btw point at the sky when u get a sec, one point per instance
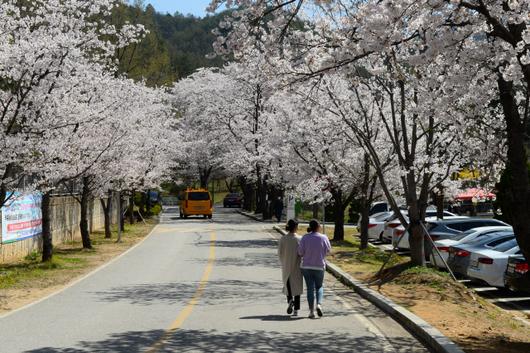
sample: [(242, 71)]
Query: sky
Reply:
[(194, 7)]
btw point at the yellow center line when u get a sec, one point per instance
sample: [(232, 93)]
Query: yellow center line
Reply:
[(188, 309)]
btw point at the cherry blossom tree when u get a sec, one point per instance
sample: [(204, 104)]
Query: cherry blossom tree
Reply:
[(66, 113), (44, 47), (472, 52)]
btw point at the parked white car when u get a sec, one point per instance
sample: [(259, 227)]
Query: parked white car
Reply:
[(390, 225), (376, 224), (489, 265), (465, 237)]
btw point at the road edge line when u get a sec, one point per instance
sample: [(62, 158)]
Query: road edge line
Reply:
[(423, 331), (81, 279)]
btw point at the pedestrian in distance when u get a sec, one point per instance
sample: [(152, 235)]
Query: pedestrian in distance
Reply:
[(291, 273), (313, 249), (278, 208)]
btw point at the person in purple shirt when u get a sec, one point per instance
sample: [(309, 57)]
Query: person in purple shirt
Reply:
[(313, 249)]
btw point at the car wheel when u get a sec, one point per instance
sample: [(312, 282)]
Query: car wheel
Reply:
[(181, 215), (381, 237), (210, 217)]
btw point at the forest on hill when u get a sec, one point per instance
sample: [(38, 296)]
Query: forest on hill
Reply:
[(175, 46)]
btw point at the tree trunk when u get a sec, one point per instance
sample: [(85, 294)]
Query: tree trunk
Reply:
[(131, 207), (439, 199), (338, 208), (365, 220), (121, 221), (83, 224), (143, 203), (47, 241), (315, 208), (518, 164), (416, 236), (107, 212), (204, 177), (366, 201), (262, 202)]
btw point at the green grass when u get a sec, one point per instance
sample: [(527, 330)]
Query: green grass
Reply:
[(12, 276)]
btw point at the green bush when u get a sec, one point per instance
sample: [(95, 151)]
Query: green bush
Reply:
[(156, 209)]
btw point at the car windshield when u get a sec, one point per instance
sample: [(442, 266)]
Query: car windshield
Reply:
[(232, 195), (198, 196), (507, 245), (492, 239), (383, 216)]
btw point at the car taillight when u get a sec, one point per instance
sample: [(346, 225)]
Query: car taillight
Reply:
[(485, 260), (443, 248), (400, 232), (393, 225), (371, 225), (522, 268), (462, 253), (186, 203)]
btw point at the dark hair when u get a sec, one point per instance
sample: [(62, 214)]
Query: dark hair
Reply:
[(291, 225), (313, 226)]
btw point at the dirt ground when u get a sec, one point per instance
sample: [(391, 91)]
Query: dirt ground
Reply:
[(474, 324), (28, 281)]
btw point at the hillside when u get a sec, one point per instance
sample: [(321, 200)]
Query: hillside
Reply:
[(174, 48)]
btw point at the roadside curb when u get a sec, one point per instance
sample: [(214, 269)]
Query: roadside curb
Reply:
[(250, 215), (427, 334)]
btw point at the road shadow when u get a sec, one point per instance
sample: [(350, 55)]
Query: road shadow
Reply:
[(217, 292), (243, 244), (248, 259), (250, 341), (272, 318)]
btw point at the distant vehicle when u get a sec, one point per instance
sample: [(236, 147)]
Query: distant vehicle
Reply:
[(462, 238), (196, 202), (459, 256), (153, 196), (233, 199), (515, 277), (489, 265)]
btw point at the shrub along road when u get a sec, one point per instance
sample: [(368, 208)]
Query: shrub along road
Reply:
[(202, 286)]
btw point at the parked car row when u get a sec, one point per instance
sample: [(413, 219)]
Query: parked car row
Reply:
[(488, 254), (480, 249)]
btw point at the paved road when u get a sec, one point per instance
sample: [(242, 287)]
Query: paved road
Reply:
[(198, 286)]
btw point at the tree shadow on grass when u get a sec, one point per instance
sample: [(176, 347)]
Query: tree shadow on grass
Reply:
[(250, 341), (390, 273)]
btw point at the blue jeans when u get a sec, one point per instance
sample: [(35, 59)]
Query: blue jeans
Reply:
[(314, 283)]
